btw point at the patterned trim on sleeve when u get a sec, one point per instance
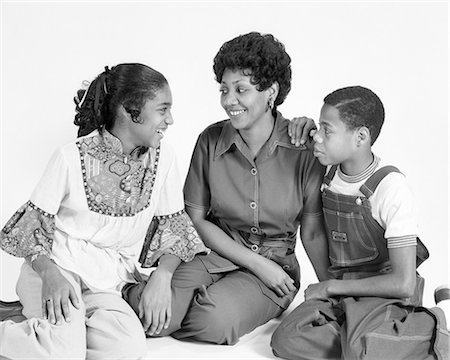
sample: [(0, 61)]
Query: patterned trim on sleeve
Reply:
[(171, 234), (29, 232)]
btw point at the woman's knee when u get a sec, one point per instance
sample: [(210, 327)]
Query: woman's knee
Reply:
[(210, 321), (209, 326)]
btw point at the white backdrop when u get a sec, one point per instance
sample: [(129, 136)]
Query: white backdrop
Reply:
[(399, 50)]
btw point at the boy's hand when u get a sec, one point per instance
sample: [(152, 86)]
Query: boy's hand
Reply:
[(300, 128), (155, 306), (319, 291)]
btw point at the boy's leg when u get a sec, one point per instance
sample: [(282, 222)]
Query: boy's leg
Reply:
[(186, 281), (35, 337), (113, 329), (310, 331), (384, 328), (232, 306), (442, 300)]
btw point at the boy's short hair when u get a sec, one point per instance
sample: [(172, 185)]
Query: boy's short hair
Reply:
[(358, 106)]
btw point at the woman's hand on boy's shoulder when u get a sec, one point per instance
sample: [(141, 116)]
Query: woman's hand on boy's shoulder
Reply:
[(300, 128)]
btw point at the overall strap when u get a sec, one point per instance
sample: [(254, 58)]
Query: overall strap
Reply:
[(368, 188), (330, 175)]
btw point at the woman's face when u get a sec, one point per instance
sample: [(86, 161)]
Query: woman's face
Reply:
[(154, 119), (243, 103)]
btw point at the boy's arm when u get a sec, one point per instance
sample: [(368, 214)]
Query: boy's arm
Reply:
[(399, 283), (314, 240)]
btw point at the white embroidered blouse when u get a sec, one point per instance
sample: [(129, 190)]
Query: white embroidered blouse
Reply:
[(98, 213)]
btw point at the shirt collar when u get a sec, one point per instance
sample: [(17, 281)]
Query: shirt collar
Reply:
[(115, 145), (279, 137)]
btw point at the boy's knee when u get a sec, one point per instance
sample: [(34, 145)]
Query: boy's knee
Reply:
[(281, 344)]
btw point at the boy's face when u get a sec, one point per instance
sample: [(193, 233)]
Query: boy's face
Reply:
[(335, 143)]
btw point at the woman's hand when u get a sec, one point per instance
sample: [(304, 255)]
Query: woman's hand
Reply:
[(56, 291), (273, 275), (300, 128), (155, 306)]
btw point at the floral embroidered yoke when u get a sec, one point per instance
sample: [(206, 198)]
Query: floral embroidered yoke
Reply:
[(97, 211), (115, 184)]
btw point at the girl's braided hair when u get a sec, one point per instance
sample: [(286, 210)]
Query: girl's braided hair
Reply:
[(129, 85)]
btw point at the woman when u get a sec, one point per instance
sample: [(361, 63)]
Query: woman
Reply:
[(84, 227), (247, 191)]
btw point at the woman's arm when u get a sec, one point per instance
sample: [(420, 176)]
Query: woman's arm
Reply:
[(399, 283), (216, 239), (315, 242)]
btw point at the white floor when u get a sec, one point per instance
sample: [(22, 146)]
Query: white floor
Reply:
[(255, 345)]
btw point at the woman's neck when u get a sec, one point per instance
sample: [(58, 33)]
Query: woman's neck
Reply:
[(256, 136)]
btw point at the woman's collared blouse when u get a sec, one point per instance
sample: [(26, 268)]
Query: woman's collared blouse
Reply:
[(266, 196), (94, 207)]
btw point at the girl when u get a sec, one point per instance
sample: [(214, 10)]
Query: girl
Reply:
[(82, 232)]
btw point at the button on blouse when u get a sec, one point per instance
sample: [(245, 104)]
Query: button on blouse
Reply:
[(267, 195)]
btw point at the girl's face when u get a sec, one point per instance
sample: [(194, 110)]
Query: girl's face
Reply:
[(155, 117), (243, 103), (335, 143)]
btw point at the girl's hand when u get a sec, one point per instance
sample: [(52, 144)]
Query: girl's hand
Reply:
[(155, 306), (319, 291), (56, 292), (300, 128), (275, 278)]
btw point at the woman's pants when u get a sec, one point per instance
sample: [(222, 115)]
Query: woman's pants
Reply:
[(217, 308)]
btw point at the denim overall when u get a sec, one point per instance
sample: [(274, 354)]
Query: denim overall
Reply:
[(369, 328), (357, 246)]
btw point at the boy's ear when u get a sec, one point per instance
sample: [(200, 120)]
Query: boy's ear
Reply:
[(363, 136)]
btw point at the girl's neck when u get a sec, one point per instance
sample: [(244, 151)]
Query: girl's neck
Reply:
[(127, 146)]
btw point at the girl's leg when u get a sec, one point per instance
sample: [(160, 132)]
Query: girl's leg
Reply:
[(227, 309), (113, 329), (310, 331), (35, 337)]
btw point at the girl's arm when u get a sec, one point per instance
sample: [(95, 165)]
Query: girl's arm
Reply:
[(215, 238), (56, 291), (155, 304), (399, 283)]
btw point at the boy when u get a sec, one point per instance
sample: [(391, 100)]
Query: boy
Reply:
[(369, 306)]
